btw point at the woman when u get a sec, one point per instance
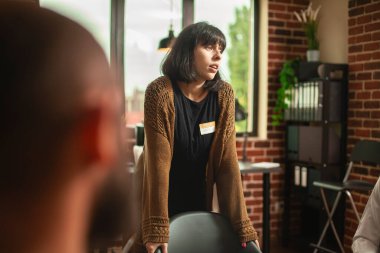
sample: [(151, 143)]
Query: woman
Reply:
[(190, 140)]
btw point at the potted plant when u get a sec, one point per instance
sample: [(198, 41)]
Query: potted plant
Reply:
[(288, 78), (309, 21)]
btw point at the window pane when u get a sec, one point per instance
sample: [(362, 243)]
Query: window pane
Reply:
[(94, 15), (235, 20), (146, 23)]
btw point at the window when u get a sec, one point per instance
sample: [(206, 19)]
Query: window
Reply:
[(146, 23), (236, 20), (94, 15)]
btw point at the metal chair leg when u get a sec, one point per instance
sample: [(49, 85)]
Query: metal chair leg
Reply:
[(329, 220), (353, 204)]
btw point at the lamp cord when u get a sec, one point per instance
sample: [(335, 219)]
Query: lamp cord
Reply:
[(171, 14)]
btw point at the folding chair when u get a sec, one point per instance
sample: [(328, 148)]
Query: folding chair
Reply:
[(364, 151), (204, 232)]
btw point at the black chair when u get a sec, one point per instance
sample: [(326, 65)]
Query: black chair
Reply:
[(364, 151), (204, 232)]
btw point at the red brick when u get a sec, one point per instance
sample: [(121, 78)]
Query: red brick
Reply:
[(264, 144), (372, 8), (355, 12), (376, 36), (376, 55), (363, 57), (291, 24), (376, 94), (372, 27), (363, 95), (364, 19), (372, 46), (276, 7), (372, 85), (254, 186), (363, 38), (355, 104), (362, 2), (355, 48), (273, 56), (276, 23), (285, 16), (351, 22), (362, 114), (355, 30), (255, 152), (371, 104), (292, 8), (375, 115), (371, 123), (301, 2), (362, 133), (355, 123), (276, 39), (351, 58), (278, 48), (356, 67), (355, 86), (364, 76), (372, 65), (376, 16), (274, 152)]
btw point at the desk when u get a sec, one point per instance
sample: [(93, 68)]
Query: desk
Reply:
[(266, 169)]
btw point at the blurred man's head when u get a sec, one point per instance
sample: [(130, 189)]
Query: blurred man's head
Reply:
[(60, 131)]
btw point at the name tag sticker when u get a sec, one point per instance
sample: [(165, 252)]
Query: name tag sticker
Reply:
[(207, 128)]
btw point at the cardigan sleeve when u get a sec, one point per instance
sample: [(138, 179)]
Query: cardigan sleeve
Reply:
[(157, 158), (367, 236), (228, 178)]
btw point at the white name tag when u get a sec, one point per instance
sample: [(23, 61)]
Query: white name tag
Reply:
[(207, 128)]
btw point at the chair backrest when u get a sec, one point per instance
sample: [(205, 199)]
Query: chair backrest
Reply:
[(364, 151), (204, 232)]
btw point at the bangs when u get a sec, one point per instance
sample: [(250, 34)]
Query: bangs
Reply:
[(211, 36)]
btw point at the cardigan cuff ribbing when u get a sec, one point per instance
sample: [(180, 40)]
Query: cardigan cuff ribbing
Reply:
[(156, 230), (245, 231)]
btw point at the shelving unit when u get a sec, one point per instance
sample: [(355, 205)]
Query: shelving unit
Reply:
[(315, 148)]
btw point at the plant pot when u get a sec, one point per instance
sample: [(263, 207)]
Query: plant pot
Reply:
[(312, 55)]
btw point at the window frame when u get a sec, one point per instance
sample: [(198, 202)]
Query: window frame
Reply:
[(117, 49)]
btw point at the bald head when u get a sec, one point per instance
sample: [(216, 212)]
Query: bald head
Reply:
[(52, 71)]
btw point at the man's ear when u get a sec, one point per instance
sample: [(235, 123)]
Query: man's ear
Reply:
[(98, 137)]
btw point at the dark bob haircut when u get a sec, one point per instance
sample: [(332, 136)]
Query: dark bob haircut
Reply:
[(179, 63)]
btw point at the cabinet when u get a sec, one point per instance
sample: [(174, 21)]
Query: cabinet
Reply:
[(315, 146)]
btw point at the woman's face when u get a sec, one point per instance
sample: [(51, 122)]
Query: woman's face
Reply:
[(207, 59)]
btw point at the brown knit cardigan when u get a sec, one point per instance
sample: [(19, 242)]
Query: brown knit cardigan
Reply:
[(154, 164)]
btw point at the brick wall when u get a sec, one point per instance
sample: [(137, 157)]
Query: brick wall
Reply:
[(364, 93), (286, 41)]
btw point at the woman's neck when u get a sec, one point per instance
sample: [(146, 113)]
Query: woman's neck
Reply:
[(194, 90)]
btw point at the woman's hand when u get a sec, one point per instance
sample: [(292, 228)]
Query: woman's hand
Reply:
[(151, 247), (244, 245)]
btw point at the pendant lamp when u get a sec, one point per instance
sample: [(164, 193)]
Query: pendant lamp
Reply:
[(167, 43)]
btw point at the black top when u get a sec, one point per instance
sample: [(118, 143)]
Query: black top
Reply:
[(191, 150)]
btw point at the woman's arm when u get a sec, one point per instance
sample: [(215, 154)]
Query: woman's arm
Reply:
[(157, 159), (228, 177)]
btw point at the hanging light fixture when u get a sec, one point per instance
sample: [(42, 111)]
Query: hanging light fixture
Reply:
[(167, 43)]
